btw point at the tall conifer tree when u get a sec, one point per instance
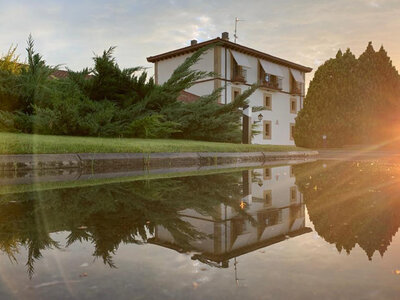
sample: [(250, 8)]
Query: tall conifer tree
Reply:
[(351, 101)]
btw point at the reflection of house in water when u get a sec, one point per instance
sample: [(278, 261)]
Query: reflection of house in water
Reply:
[(272, 210)]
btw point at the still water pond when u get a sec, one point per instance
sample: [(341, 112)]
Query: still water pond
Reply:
[(315, 230)]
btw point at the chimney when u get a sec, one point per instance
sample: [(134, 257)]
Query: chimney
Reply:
[(225, 36), (193, 42)]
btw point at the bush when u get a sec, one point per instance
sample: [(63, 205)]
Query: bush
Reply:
[(72, 117), (15, 122), (153, 126)]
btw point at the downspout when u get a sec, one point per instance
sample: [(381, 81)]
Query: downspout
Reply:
[(225, 76), (303, 91)]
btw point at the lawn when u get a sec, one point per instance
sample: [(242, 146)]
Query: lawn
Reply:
[(16, 143)]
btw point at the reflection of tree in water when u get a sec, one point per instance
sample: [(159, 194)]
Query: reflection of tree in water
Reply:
[(107, 215), (20, 225), (352, 203)]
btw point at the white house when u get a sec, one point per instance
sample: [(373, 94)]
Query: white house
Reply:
[(238, 67)]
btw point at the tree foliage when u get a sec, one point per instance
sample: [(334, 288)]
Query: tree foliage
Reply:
[(107, 100), (9, 62), (351, 101), (206, 120)]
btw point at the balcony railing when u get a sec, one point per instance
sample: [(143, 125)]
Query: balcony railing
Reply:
[(296, 89), (275, 85), (239, 75)]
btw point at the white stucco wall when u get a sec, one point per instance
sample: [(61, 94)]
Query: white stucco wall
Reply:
[(279, 116), (206, 63)]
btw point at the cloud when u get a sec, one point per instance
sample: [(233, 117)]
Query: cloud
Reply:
[(374, 4), (307, 32)]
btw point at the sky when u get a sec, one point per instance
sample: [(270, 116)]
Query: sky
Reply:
[(308, 32)]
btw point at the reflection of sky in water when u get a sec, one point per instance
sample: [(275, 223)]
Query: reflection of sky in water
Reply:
[(305, 266), (299, 267)]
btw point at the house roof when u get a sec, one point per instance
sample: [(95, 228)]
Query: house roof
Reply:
[(220, 257), (230, 45), (60, 74), (187, 97)]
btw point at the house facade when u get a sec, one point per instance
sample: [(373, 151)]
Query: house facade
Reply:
[(281, 83)]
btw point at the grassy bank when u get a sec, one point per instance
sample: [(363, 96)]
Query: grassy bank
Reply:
[(15, 143)]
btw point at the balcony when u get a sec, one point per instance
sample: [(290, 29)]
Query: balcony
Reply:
[(269, 81), (271, 85), (296, 90), (239, 75)]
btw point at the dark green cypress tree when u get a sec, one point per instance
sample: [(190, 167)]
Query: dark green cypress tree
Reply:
[(330, 98), (381, 89), (352, 101)]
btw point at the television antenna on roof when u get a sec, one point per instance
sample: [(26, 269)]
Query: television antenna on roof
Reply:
[(236, 273), (237, 20)]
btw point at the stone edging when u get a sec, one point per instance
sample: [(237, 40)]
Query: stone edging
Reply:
[(130, 161)]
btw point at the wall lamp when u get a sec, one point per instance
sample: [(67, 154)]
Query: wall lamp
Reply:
[(259, 117)]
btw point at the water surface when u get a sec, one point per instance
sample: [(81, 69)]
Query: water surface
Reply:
[(324, 229)]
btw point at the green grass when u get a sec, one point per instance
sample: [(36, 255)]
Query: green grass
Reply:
[(17, 143)]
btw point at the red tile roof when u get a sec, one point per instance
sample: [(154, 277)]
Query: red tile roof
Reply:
[(60, 74), (187, 97)]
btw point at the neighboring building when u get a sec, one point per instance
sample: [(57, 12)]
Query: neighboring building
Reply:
[(59, 74), (238, 67), (273, 211)]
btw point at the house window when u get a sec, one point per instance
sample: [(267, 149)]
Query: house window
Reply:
[(267, 198), (235, 92), (268, 101), (239, 73), (267, 174), (267, 130), (291, 131), (293, 194), (293, 105)]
